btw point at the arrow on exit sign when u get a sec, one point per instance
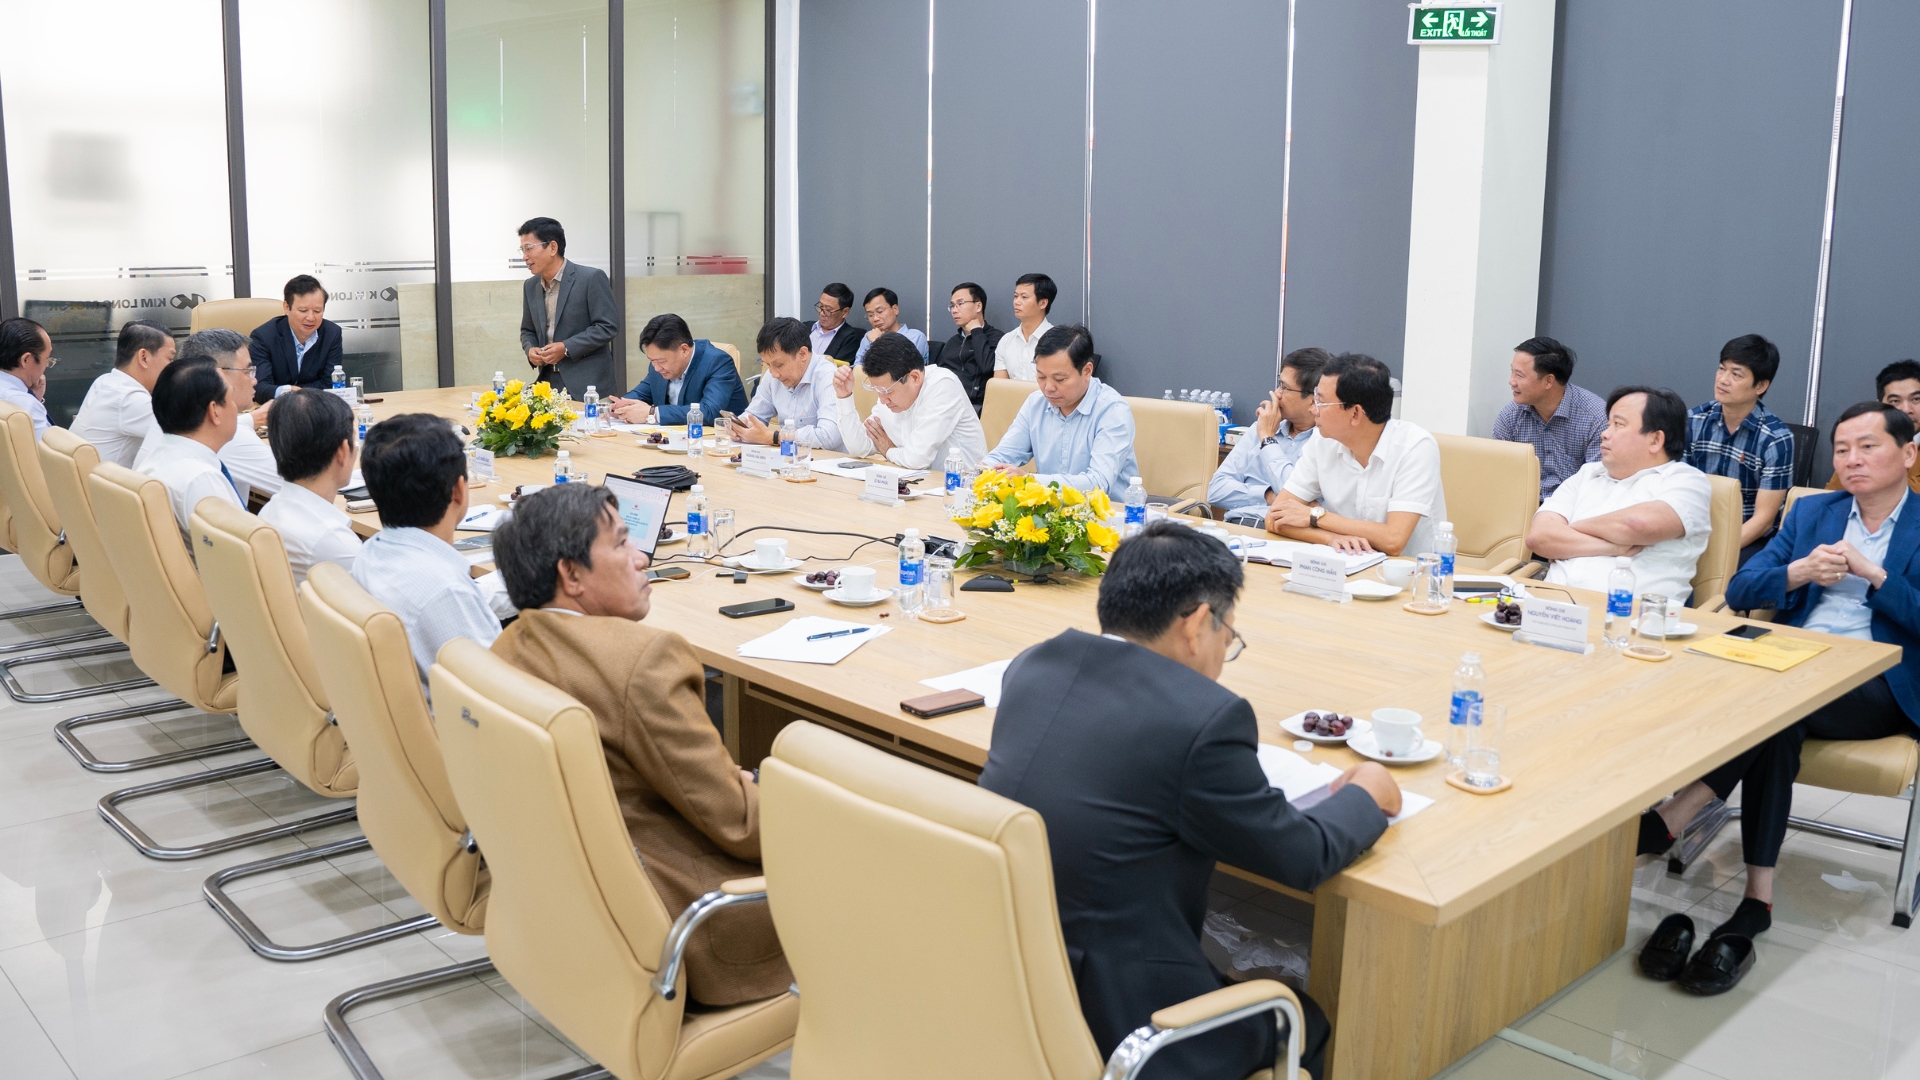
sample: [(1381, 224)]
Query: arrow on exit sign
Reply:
[(1474, 24)]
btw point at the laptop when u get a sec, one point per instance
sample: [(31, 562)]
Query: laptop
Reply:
[(644, 508)]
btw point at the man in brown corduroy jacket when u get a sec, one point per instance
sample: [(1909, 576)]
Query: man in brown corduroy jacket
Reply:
[(693, 814)]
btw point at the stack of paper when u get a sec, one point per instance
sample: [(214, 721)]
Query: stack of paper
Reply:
[(1304, 782), (790, 641), (484, 518), (1280, 553), (983, 680)]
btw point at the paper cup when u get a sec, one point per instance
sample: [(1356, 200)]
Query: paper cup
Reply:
[(770, 554), (856, 582), (1396, 731)]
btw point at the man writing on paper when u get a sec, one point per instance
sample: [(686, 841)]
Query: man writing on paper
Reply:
[(692, 814), (1075, 429), (1842, 563), (1369, 482), (1639, 500), (1146, 772)]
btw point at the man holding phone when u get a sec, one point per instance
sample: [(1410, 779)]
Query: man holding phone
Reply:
[(1842, 563)]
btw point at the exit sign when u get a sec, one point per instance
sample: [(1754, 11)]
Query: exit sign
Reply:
[(1476, 24)]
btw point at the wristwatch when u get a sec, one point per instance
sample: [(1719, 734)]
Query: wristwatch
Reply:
[(1314, 515)]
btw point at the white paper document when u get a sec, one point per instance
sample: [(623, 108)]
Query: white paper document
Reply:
[(484, 518), (1304, 782), (1280, 553), (831, 467), (983, 680), (790, 641)]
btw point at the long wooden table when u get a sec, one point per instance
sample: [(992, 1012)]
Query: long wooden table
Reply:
[(1459, 920)]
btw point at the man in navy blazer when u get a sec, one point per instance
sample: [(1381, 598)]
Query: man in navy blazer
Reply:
[(1145, 770), (300, 348), (684, 371), (1842, 563)]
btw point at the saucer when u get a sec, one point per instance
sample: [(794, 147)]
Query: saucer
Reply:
[(815, 586), (1292, 726), (1367, 589), (751, 564), (1365, 746), (1487, 617), (872, 598)]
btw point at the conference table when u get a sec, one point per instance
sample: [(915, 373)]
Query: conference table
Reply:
[(1460, 919)]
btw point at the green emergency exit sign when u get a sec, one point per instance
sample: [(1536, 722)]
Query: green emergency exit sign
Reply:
[(1476, 24)]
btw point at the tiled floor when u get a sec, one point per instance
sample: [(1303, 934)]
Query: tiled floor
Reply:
[(112, 965)]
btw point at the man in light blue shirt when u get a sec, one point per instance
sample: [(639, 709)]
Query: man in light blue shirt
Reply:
[(797, 387), (26, 352), (883, 313), (1251, 478), (1843, 606), (1075, 428)]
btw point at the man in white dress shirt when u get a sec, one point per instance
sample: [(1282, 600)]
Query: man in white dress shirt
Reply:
[(1366, 482), (1032, 302), (117, 414), (797, 387), (197, 413), (1075, 429), (1250, 479), (922, 413), (312, 441), (247, 456), (883, 315), (26, 352), (1638, 500), (416, 472)]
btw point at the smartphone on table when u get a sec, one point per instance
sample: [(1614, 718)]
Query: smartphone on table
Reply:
[(756, 607)]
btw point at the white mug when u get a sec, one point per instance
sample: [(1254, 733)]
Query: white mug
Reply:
[(1396, 731), (770, 554), (1674, 608), (1397, 571), (856, 582)]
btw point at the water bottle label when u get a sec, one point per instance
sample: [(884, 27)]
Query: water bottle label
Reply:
[(1446, 565), (788, 448), (1465, 703), (363, 431), (910, 572), (593, 410), (1136, 515), (694, 431), (953, 481), (1620, 604), (559, 478), (696, 523)]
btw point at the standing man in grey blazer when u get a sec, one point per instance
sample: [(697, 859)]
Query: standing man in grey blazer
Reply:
[(568, 316)]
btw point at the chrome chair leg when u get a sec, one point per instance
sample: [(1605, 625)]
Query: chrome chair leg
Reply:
[(1715, 815), (94, 634), (135, 835), (62, 607), (63, 733), (1904, 886), (1698, 833), (357, 1059), (20, 693), (259, 942)]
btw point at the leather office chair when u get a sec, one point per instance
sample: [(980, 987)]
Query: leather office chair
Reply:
[(1493, 490), (1722, 557), (918, 913), (1806, 444), (176, 641), (739, 367), (66, 461), (42, 547), (572, 920), (243, 315), (1177, 444), (1001, 403)]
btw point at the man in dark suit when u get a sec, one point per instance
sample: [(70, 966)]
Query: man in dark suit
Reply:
[(832, 335), (1144, 769), (969, 352), (568, 316), (300, 348), (683, 371), (1842, 563)]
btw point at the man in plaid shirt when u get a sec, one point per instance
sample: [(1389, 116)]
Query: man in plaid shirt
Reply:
[(1734, 435), (1561, 421)]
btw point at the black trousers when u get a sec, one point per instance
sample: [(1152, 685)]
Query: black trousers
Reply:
[(1767, 771), (1249, 1045)]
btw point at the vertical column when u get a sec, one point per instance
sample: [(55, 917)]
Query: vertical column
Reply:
[(442, 219), (9, 282), (236, 148), (769, 87), (1479, 191), (617, 185)]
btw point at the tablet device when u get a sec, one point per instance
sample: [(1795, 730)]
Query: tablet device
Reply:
[(644, 508)]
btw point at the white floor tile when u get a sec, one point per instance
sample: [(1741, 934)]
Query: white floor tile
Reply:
[(1502, 1060), (40, 780), (1609, 1050), (25, 1050)]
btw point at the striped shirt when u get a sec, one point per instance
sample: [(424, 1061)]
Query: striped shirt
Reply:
[(1563, 442), (1758, 453)]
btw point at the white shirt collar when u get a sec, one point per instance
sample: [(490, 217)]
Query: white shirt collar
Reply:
[(566, 611)]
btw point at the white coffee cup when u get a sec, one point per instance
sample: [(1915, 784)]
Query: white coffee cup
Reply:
[(770, 554), (1397, 571), (1396, 731), (856, 582), (1674, 608)]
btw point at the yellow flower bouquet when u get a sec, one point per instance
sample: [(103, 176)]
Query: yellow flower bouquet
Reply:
[(1034, 528), (524, 419)]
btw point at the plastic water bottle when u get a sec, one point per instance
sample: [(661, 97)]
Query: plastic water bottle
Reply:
[(1225, 407), (1444, 545), (364, 421), (562, 466), (1136, 503), (696, 431), (956, 476), (913, 570), (1168, 396), (339, 378), (499, 382), (1618, 628), (789, 448), (1469, 690), (590, 409), (699, 543)]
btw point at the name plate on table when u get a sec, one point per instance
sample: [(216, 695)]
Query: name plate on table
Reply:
[(1320, 572), (759, 460), (1553, 624), (482, 464), (883, 486), (345, 393)]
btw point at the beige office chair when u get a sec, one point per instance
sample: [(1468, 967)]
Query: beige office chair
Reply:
[(243, 315), (1722, 557), (740, 366), (918, 913), (176, 641), (42, 547), (1492, 489), (572, 920), (1177, 444), (66, 461), (1001, 404)]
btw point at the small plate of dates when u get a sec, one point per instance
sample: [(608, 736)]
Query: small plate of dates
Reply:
[(1505, 614), (1324, 726), (821, 580)]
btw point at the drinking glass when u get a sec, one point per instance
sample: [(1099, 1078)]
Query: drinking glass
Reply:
[(1427, 582), (938, 592), (359, 388), (1484, 729), (1650, 628), (473, 404), (720, 525), (723, 438)]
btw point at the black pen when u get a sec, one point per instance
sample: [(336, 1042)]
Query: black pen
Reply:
[(837, 633)]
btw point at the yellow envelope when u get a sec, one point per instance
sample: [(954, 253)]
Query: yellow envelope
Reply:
[(1775, 652)]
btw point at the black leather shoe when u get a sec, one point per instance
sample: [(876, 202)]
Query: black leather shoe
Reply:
[(1719, 965), (1665, 954)]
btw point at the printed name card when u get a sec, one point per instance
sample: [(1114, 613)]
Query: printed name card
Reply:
[(1319, 571), (1553, 624), (482, 463), (759, 460), (883, 486), (344, 393)]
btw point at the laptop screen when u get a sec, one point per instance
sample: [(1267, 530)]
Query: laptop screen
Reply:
[(643, 507)]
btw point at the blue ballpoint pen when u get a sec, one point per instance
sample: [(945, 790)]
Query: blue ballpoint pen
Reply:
[(837, 633)]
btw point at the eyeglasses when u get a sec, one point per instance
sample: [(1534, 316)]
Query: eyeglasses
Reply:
[(1235, 646), (828, 309), (1319, 403), (882, 391), (528, 249), (955, 304), (1285, 389), (52, 360)]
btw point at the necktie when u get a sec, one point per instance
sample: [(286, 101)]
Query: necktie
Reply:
[(231, 480)]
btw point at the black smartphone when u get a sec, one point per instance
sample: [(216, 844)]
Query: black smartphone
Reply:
[(1749, 631), (668, 573), (756, 607)]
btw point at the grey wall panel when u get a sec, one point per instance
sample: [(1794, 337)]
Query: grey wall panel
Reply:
[(863, 148), (1009, 150), (1190, 116), (1872, 317), (1687, 172), (1354, 92)]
